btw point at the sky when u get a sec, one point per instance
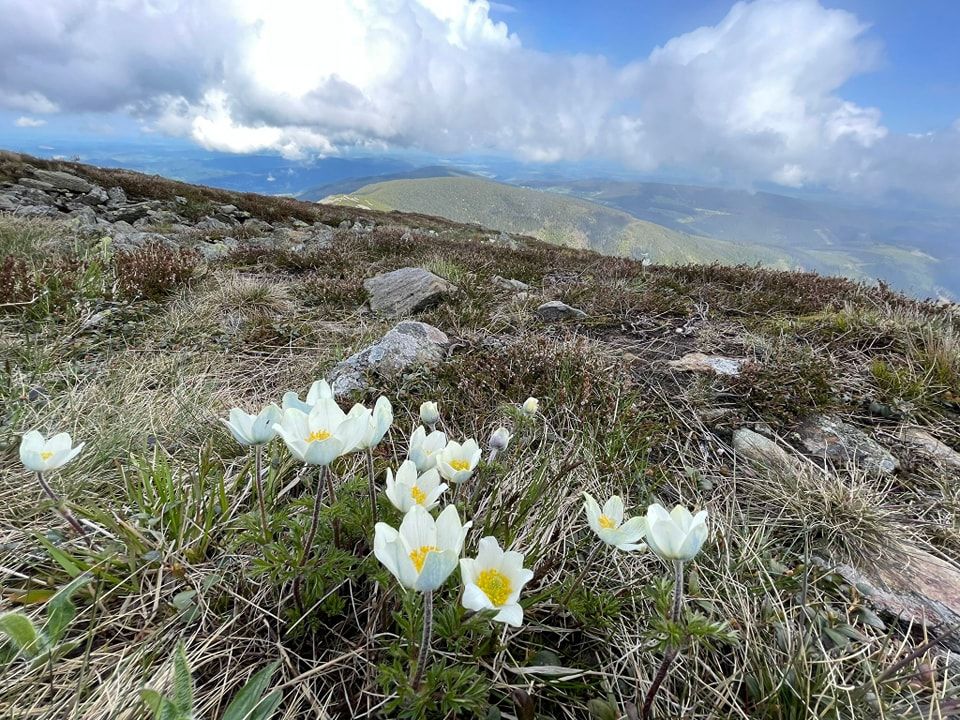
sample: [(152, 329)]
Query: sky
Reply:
[(857, 96)]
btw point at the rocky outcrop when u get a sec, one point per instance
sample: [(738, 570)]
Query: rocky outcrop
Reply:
[(927, 445), (405, 291), (409, 345)]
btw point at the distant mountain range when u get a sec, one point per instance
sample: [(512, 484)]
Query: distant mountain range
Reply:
[(912, 250)]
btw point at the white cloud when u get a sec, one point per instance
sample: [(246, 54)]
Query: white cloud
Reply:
[(29, 122), (757, 97)]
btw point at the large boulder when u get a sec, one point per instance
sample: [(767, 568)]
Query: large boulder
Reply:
[(406, 291), (408, 345), (63, 180)]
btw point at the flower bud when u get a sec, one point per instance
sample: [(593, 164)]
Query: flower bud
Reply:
[(530, 406), (499, 439), (429, 413)]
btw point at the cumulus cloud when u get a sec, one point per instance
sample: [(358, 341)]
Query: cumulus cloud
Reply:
[(29, 122), (757, 97)]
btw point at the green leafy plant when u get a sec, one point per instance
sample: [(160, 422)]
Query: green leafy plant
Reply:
[(44, 643)]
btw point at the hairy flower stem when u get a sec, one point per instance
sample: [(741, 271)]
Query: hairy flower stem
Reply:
[(672, 652), (372, 486), (582, 575), (258, 479), (62, 509), (332, 497), (424, 640), (311, 536)]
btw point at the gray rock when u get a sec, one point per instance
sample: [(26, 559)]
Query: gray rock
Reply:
[(555, 310), (406, 291), (717, 364), (344, 225), (258, 226), (828, 437), (164, 217), (210, 223), (409, 345), (132, 212), (510, 284), (926, 444), (764, 453), (96, 196), (116, 196), (126, 241), (63, 180), (85, 218), (35, 184)]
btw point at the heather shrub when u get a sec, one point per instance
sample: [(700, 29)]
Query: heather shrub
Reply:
[(153, 271)]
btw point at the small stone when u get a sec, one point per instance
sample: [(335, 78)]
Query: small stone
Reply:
[(406, 291), (828, 437), (63, 180), (555, 310), (510, 284), (409, 345), (257, 226), (699, 362), (344, 225), (116, 196), (209, 223), (764, 452)]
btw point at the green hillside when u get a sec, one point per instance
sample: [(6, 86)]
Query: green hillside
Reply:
[(559, 219)]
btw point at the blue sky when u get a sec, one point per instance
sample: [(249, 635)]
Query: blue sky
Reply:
[(848, 95)]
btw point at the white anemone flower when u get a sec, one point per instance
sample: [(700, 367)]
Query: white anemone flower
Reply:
[(380, 421), (409, 489), (530, 406), (41, 455), (253, 429), (423, 552), (424, 448), (677, 535), (429, 413), (610, 526), (323, 435), (493, 581), (457, 462), (320, 390)]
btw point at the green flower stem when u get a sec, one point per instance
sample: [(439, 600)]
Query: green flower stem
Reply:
[(672, 652), (258, 469), (62, 509), (372, 486), (332, 498), (424, 640), (311, 536), (583, 573)]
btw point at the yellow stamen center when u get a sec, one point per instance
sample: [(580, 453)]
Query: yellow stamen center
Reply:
[(459, 465), (606, 523), (317, 435), (495, 585), (46, 455), (418, 495), (419, 556)]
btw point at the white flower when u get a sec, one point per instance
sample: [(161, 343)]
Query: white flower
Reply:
[(530, 406), (456, 462), (424, 448), (41, 455), (408, 489), (494, 580), (500, 438), (423, 553), (326, 433), (253, 429), (380, 421), (609, 524), (320, 390), (676, 535), (429, 413)]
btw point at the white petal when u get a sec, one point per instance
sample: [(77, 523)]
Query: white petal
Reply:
[(418, 528), (613, 509), (510, 614), (437, 567), (475, 599)]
